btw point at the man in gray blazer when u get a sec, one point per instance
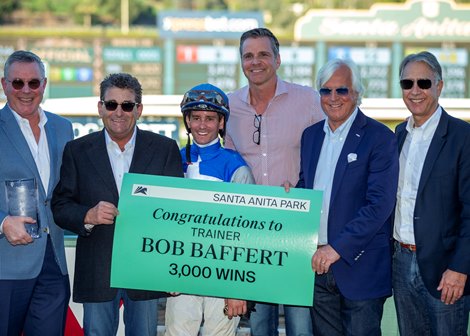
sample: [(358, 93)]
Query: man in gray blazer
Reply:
[(34, 285), (85, 202)]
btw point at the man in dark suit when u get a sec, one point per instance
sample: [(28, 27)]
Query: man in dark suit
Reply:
[(86, 197), (34, 285), (353, 159), (432, 218)]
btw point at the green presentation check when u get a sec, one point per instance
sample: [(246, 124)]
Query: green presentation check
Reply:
[(216, 239)]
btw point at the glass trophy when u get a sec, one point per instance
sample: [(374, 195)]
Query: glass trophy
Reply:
[(22, 200)]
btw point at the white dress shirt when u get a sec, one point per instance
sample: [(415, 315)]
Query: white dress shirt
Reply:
[(120, 160), (324, 174), (39, 150), (412, 156)]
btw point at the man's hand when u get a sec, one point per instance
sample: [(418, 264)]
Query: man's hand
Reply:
[(287, 185), (234, 307), (451, 286), (102, 213), (323, 258), (14, 231)]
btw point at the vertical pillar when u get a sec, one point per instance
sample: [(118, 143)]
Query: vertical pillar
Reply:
[(397, 55), (320, 57), (169, 58)]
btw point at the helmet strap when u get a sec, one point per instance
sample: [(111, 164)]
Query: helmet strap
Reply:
[(188, 149)]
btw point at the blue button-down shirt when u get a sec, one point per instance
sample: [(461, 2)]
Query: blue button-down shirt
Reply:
[(330, 151)]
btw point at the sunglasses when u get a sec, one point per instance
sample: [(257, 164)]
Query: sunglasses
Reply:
[(257, 132), (423, 84), (18, 84), (342, 91), (208, 96), (125, 106)]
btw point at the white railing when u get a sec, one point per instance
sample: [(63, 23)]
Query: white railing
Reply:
[(168, 106)]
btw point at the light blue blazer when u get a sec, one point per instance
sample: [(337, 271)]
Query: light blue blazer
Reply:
[(16, 162)]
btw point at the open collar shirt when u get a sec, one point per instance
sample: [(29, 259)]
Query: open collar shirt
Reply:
[(277, 158), (325, 171), (412, 156), (39, 150), (120, 160)]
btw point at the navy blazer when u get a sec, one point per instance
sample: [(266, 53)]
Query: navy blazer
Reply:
[(362, 199), (442, 210), (86, 178), (16, 162)]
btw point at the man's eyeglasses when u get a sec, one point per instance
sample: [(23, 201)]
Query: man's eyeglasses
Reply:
[(19, 84), (209, 96), (342, 91), (423, 84), (125, 106), (257, 132)]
